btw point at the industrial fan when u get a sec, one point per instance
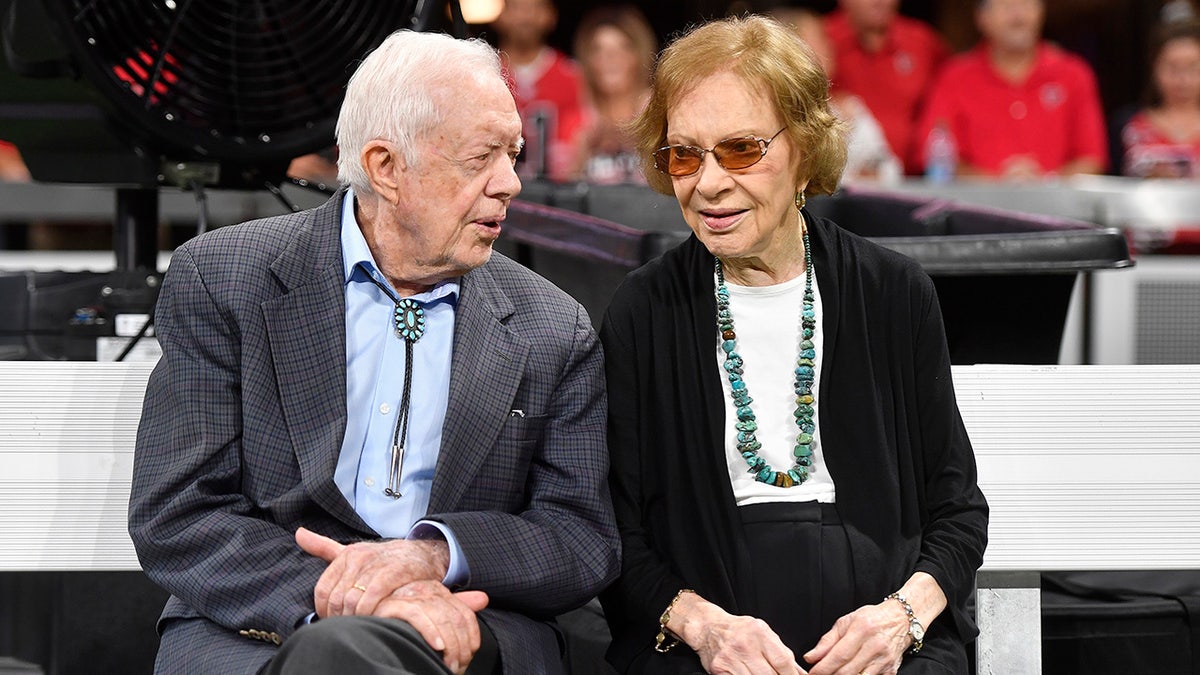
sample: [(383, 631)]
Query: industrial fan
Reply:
[(193, 94), (223, 92)]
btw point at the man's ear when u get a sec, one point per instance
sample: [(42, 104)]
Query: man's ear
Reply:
[(385, 166)]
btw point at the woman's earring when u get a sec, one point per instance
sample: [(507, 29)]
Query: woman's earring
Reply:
[(800, 200)]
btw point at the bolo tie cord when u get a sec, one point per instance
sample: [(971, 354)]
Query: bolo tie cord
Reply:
[(413, 317), (400, 434)]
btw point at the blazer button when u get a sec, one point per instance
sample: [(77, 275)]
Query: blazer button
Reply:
[(263, 635)]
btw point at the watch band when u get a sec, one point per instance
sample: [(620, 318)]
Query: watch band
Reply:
[(916, 631)]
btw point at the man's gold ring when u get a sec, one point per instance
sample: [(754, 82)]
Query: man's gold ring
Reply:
[(360, 587)]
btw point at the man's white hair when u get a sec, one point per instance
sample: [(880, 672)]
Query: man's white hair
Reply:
[(391, 95)]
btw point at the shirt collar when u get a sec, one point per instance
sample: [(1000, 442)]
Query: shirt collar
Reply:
[(891, 42), (356, 256)]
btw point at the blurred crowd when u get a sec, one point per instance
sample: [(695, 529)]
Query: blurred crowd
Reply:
[(1015, 106)]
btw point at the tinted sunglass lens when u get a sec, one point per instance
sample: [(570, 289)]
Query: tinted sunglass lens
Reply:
[(661, 159), (678, 160), (685, 160), (738, 153)]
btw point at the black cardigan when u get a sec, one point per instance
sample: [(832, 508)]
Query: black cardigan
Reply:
[(890, 430)]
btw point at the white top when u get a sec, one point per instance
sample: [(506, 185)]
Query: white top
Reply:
[(767, 322)]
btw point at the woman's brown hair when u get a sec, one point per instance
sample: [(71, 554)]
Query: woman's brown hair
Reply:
[(764, 54)]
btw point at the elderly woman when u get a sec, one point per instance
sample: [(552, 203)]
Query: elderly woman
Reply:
[(793, 482)]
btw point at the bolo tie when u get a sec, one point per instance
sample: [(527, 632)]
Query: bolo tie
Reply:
[(408, 318)]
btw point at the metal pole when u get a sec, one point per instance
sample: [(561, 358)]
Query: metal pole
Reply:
[(135, 234)]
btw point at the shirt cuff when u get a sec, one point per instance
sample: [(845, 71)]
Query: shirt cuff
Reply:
[(458, 572)]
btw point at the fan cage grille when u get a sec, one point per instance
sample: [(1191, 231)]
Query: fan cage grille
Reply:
[(238, 80)]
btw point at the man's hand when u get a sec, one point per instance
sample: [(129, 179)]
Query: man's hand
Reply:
[(360, 576), (1022, 167), (446, 620)]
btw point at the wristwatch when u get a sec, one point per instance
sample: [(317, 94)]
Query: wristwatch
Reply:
[(915, 630)]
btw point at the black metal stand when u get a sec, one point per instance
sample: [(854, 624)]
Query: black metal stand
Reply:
[(135, 233)]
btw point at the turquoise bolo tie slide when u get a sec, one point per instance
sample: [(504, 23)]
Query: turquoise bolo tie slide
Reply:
[(410, 320)]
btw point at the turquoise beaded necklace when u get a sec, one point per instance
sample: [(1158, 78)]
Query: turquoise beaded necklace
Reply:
[(747, 443)]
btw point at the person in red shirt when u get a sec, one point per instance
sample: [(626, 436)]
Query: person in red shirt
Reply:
[(1163, 139), (547, 86), (886, 60), (12, 168), (1017, 106)]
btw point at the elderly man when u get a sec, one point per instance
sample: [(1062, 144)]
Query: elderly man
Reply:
[(1016, 106), (366, 427), (888, 61)]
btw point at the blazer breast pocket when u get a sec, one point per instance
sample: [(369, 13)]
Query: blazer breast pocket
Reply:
[(522, 426), (505, 475)]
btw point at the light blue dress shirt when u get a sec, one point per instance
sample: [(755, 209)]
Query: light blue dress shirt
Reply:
[(375, 361)]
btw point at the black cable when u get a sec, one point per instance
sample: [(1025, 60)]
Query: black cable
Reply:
[(460, 24), (309, 185), (274, 189), (136, 338), (202, 202)]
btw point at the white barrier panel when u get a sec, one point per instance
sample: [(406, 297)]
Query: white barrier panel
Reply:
[(67, 432), (1085, 467)]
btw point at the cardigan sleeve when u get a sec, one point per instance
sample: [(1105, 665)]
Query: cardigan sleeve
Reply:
[(956, 513), (647, 583)]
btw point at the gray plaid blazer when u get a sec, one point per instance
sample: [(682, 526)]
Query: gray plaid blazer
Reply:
[(243, 421)]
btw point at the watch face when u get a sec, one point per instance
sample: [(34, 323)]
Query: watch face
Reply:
[(917, 630)]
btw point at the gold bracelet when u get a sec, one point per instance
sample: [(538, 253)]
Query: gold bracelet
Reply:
[(665, 638)]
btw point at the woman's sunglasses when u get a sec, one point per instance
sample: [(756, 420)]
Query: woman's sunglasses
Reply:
[(731, 153)]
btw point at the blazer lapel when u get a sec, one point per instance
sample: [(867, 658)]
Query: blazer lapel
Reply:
[(488, 363), (306, 327)]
